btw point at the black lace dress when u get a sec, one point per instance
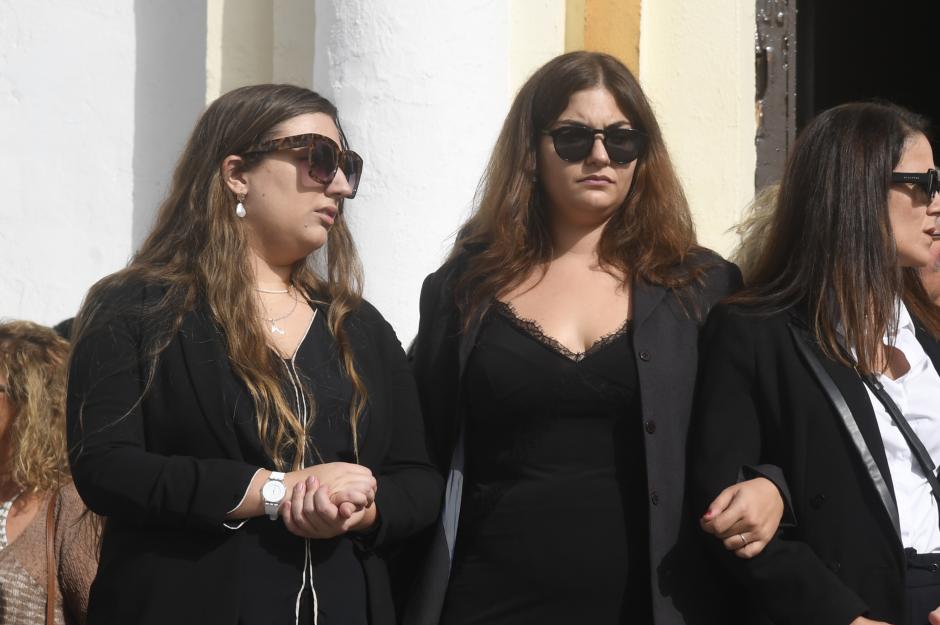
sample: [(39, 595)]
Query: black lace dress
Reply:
[(553, 525)]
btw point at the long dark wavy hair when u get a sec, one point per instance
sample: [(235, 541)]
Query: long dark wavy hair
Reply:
[(829, 248), (198, 250), (507, 237)]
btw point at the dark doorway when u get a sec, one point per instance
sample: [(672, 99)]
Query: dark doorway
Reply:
[(841, 51), (850, 50)]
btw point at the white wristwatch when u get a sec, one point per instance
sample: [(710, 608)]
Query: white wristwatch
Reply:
[(273, 493)]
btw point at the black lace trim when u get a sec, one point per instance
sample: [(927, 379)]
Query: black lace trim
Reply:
[(533, 329)]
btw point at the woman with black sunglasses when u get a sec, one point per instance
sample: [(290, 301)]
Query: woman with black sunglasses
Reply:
[(826, 366), (556, 360), (246, 423)]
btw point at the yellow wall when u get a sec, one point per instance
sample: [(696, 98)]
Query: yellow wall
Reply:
[(537, 34), (611, 26), (695, 61), (697, 68)]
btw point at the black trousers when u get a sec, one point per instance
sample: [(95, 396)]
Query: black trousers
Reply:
[(923, 585)]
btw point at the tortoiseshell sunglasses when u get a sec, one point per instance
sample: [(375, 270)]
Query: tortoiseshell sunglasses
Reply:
[(323, 156)]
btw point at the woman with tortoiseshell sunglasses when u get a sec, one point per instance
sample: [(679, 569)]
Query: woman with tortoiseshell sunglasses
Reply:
[(245, 422)]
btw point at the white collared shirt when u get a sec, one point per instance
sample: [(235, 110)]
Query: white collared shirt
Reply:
[(917, 395)]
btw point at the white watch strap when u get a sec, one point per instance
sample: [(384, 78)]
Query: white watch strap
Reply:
[(271, 507)]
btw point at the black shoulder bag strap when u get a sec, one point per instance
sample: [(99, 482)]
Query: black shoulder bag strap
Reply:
[(917, 447), (802, 339)]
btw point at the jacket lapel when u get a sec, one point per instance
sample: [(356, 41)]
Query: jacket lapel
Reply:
[(646, 297), (207, 366), (846, 393)]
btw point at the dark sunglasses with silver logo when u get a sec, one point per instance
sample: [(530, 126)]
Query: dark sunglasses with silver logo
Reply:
[(929, 181)]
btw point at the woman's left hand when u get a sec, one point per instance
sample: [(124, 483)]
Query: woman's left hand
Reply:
[(312, 513), (745, 516)]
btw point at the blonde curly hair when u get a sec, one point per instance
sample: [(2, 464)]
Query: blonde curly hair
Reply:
[(33, 361)]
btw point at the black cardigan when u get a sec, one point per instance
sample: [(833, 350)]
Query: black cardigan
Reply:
[(760, 401), (165, 469), (666, 326)]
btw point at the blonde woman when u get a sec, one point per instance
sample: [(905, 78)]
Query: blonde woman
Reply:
[(35, 483), (248, 426)]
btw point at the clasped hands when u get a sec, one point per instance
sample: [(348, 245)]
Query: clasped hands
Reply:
[(330, 499)]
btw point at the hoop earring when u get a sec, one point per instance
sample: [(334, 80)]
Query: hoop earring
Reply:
[(240, 207)]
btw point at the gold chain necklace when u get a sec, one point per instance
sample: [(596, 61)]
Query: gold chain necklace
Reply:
[(276, 329)]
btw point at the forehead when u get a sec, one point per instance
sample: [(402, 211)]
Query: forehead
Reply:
[(917, 156), (319, 123), (596, 105)]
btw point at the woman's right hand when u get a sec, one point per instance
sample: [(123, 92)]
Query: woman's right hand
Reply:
[(867, 621), (745, 516), (350, 485)]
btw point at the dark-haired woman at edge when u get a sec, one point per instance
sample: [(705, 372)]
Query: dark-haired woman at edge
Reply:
[(556, 359), (220, 380), (805, 368)]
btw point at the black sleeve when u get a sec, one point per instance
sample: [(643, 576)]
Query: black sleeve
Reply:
[(788, 580), (113, 470), (775, 474), (434, 363), (410, 489)]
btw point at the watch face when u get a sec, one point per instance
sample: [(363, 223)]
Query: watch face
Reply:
[(273, 491)]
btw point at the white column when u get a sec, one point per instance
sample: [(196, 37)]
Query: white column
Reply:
[(422, 89), (66, 151)]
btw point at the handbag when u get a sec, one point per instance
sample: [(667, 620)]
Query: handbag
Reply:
[(50, 561)]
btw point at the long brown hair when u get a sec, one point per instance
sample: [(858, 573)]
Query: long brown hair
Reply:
[(507, 237), (830, 249), (198, 250), (32, 359)]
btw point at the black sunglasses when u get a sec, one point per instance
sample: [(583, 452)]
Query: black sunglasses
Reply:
[(573, 143), (323, 156), (929, 182)]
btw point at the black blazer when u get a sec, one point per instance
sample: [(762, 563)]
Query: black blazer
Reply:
[(759, 400), (167, 468), (666, 325)]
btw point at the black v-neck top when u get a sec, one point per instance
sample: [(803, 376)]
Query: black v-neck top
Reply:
[(553, 525), (283, 576)]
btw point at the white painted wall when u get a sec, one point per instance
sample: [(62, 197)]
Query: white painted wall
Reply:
[(697, 67), (422, 88), (96, 100), (169, 96), (66, 151)]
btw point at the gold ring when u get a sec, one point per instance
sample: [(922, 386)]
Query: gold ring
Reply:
[(743, 540)]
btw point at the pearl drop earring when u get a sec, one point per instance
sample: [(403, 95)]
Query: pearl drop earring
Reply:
[(240, 207)]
